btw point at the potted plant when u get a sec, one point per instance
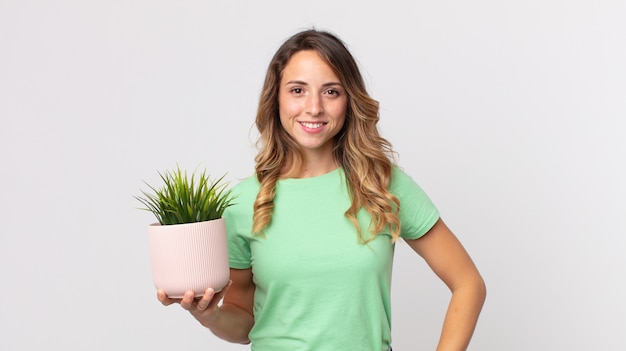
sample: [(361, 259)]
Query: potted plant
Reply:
[(188, 246)]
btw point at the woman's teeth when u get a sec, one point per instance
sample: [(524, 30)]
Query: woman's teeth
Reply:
[(312, 125)]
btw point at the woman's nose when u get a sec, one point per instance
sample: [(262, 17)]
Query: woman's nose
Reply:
[(314, 105)]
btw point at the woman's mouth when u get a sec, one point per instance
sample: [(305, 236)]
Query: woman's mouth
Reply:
[(311, 125)]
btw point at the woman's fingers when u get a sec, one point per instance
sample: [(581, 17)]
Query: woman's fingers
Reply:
[(206, 299), (188, 300), (205, 308), (166, 301), (217, 297)]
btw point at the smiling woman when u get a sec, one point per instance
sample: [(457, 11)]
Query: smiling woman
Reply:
[(312, 107), (312, 236)]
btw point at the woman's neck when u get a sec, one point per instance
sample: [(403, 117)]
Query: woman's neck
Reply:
[(311, 167)]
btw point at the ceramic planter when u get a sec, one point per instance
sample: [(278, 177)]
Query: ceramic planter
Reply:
[(191, 256)]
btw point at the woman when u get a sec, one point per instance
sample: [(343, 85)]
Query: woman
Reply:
[(312, 235)]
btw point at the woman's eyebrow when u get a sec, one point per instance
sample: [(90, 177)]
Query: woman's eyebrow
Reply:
[(300, 82)]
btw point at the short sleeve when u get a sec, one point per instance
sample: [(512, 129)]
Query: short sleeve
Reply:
[(417, 212), (238, 247), (238, 219)]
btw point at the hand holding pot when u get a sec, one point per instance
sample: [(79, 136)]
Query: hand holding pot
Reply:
[(204, 308)]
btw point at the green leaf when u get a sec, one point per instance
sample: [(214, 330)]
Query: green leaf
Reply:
[(186, 198)]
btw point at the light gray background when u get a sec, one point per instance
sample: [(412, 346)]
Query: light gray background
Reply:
[(510, 114)]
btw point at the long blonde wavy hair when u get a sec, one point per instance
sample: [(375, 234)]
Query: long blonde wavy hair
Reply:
[(364, 155)]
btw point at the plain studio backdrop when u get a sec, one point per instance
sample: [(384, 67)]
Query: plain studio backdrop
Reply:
[(510, 114)]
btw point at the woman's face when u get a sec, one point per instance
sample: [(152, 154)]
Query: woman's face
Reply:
[(312, 103)]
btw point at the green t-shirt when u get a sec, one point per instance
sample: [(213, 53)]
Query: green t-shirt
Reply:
[(317, 287)]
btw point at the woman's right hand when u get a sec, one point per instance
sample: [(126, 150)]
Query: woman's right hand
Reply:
[(232, 320), (205, 308)]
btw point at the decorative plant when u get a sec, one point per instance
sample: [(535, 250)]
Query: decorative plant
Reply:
[(187, 199)]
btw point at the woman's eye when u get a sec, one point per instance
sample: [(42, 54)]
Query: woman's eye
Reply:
[(332, 92), (296, 90)]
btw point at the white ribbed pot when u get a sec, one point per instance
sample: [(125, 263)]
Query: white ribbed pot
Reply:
[(190, 256)]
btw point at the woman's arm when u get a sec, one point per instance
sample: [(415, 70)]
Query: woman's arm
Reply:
[(451, 263), (232, 320)]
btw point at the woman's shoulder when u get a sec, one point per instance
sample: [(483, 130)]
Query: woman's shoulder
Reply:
[(248, 181), (399, 177), (247, 187), (244, 194), (402, 183)]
